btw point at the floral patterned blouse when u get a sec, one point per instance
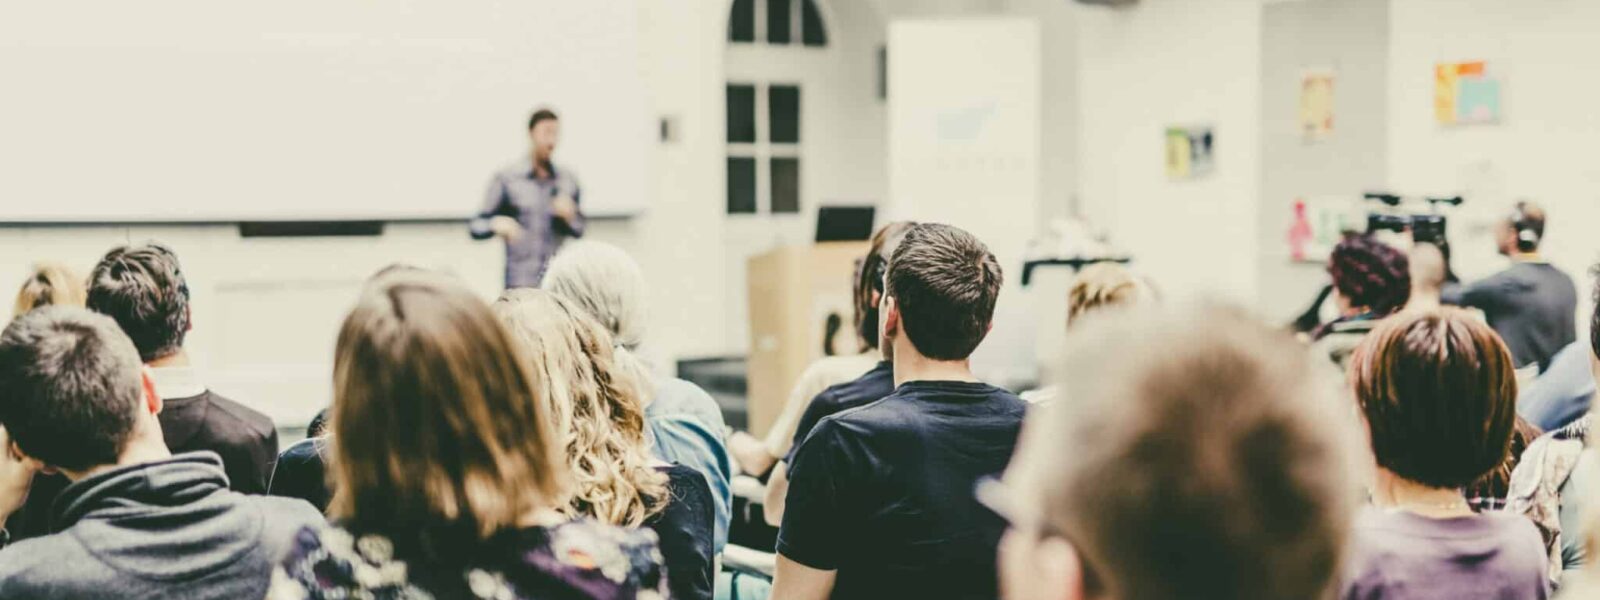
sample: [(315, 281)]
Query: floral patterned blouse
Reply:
[(578, 560)]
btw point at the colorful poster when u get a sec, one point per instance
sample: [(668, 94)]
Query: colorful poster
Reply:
[(1191, 152), (1465, 93), (1316, 105)]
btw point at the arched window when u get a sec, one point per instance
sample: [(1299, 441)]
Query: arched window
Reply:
[(776, 22)]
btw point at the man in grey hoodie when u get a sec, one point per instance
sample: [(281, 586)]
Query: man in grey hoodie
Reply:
[(136, 521)]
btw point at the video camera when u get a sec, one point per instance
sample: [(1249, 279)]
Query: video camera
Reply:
[(1424, 227)]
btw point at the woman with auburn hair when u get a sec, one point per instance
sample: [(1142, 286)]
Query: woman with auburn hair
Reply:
[(1438, 393), (447, 469), (50, 284), (595, 403)]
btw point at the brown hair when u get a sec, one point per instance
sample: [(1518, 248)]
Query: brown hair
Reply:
[(945, 283), (869, 279), (1440, 395), (1211, 467), (143, 288), (438, 428), (50, 284), (594, 402), (1103, 285)]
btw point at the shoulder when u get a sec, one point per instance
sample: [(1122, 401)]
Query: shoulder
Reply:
[(39, 559), (330, 557), (686, 483), (674, 396), (230, 419), (303, 452), (629, 558), (283, 516)]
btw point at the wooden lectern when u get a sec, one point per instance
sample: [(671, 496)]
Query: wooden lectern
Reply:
[(792, 290)]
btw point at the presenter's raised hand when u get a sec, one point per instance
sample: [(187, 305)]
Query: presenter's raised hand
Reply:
[(506, 228), (16, 476)]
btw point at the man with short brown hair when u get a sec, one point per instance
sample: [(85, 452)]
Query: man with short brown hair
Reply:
[(1206, 465), (880, 501)]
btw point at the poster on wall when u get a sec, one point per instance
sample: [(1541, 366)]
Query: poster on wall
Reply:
[(1466, 93), (1317, 223), (1316, 105), (1191, 152)]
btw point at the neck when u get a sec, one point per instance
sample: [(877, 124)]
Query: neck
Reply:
[(143, 448), (1518, 256), (911, 366), (176, 359), (1393, 491), (1424, 300)]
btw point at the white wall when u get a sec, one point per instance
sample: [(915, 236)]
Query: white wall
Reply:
[(1545, 148), (1173, 62), (1350, 38)]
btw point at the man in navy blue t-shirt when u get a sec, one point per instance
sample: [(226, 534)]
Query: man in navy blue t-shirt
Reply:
[(880, 501)]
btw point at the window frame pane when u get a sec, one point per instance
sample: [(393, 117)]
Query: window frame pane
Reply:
[(813, 29), (780, 22), (735, 204), (791, 177), (742, 133), (749, 18), (780, 131)]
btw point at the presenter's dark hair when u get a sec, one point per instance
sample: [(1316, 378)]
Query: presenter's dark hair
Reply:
[(543, 114), (142, 288), (869, 279), (1439, 393), (945, 282), (70, 387)]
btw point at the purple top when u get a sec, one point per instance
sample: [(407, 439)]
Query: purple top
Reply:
[(1398, 554)]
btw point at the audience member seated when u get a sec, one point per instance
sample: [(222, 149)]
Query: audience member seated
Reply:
[(1530, 304), (880, 502), (1371, 280), (684, 423), (1438, 390), (1490, 491), (1098, 286), (448, 471), (137, 521), (1563, 393), (597, 406), (760, 457), (1429, 274), (1208, 468), (1556, 481), (50, 284), (143, 289), (870, 385)]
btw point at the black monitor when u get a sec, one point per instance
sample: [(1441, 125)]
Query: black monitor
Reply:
[(845, 223)]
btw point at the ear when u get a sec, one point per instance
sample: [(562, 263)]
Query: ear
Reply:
[(188, 319), (152, 400), (891, 318)]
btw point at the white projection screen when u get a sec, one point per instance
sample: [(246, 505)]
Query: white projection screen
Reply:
[(199, 110)]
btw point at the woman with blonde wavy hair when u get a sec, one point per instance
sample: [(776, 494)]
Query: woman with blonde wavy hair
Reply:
[(596, 404)]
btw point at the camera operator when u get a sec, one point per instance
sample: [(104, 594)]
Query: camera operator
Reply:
[(1532, 304)]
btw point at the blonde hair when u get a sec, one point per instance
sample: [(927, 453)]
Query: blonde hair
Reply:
[(50, 284), (595, 403), (1103, 285), (438, 427)]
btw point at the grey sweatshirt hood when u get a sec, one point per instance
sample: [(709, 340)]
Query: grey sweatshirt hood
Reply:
[(162, 520)]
